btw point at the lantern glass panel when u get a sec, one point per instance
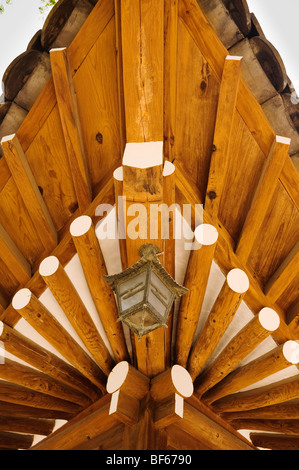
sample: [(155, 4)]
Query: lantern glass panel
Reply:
[(159, 295), (132, 291), (142, 319)]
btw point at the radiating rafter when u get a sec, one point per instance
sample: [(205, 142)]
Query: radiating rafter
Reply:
[(222, 135), (220, 316), (262, 197), (93, 264), (272, 394), (284, 275), (273, 361), (13, 258), (71, 127), (37, 356), (72, 305), (274, 441), (245, 341), (39, 317), (29, 191), (196, 281)]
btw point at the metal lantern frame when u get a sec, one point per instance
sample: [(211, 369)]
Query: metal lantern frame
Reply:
[(148, 267)]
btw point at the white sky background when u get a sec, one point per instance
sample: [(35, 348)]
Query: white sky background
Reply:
[(279, 20)]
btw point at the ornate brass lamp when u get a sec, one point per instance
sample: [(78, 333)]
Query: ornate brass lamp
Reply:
[(145, 292)]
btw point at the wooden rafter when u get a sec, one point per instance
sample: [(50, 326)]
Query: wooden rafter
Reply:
[(71, 127), (46, 324), (71, 303), (223, 128), (284, 275), (20, 374), (250, 336), (30, 193), (275, 441), (19, 395), (196, 281), (262, 198), (221, 315), (13, 258), (271, 362), (93, 264), (38, 357), (272, 394)]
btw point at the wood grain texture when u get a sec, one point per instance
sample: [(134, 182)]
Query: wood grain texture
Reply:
[(51, 170), (40, 358), (29, 191), (219, 318), (143, 68), (93, 264), (150, 350), (72, 305), (262, 198), (68, 111), (272, 394), (86, 425), (98, 106), (45, 323), (222, 135), (267, 364)]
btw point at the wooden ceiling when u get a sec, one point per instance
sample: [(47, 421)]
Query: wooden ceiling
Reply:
[(142, 72)]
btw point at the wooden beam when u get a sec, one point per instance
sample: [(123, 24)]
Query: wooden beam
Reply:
[(13, 258), (272, 394), (143, 69), (283, 411), (15, 441), (93, 264), (173, 380), (38, 357), (170, 75), (196, 280), (143, 185), (120, 206), (29, 191), (16, 394), (209, 432), (224, 121), (284, 426), (42, 427), (222, 313), (256, 331), (34, 312), (130, 380), (273, 361), (67, 105), (125, 408), (71, 303), (274, 441), (20, 374), (84, 427), (169, 245), (284, 275), (262, 197), (22, 411)]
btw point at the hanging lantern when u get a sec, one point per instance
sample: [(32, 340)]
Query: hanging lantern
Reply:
[(145, 292)]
